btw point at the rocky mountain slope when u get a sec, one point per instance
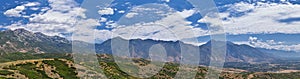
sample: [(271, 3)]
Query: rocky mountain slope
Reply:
[(21, 40)]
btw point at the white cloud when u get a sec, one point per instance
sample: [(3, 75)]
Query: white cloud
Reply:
[(186, 13), (60, 17), (241, 7), (167, 0), (106, 11), (32, 4), (122, 11), (45, 9), (131, 14), (15, 12), (20, 8), (62, 5), (169, 28), (270, 44), (263, 18), (102, 19), (161, 10), (34, 8), (103, 35), (282, 0)]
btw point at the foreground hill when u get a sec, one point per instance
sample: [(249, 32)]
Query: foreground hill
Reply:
[(58, 66)]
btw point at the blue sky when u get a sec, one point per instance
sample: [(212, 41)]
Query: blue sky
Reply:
[(272, 24)]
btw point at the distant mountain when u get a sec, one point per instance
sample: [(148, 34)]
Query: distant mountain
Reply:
[(240, 53), (281, 53), (235, 53), (21, 40), (140, 48)]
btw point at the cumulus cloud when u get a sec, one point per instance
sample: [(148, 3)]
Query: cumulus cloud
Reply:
[(167, 0), (171, 27), (59, 18), (154, 10), (260, 18), (270, 44), (15, 12), (154, 22), (121, 11), (34, 8), (241, 7), (187, 13), (131, 14), (106, 11), (32, 4)]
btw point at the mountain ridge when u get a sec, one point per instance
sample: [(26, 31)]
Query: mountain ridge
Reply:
[(21, 40), (140, 47)]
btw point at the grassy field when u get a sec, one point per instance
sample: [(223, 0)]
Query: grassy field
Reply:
[(50, 66)]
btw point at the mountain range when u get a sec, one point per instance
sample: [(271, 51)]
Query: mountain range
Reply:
[(21, 40), (235, 53)]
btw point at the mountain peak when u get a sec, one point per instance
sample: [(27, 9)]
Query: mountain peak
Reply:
[(21, 30)]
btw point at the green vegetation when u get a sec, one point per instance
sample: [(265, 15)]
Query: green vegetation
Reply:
[(62, 69), (16, 56), (34, 68), (30, 70), (61, 65), (7, 57), (292, 75), (6, 72), (5, 78), (112, 70)]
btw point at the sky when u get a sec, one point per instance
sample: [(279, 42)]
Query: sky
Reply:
[(271, 24)]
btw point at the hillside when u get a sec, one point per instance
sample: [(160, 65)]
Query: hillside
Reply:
[(53, 68), (21, 40)]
